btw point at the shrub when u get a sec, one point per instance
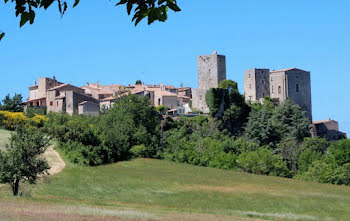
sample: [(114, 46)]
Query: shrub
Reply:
[(327, 173), (139, 151), (10, 120), (263, 161)]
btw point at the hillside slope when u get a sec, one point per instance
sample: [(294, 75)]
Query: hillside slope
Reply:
[(156, 189)]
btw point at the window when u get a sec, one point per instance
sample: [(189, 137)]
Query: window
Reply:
[(279, 90), (271, 89), (249, 75), (263, 94), (263, 82), (297, 87), (158, 101), (250, 86), (200, 97), (51, 103), (57, 103)]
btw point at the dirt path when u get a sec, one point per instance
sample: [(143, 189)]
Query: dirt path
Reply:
[(55, 161)]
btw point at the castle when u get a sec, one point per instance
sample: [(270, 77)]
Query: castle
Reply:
[(279, 85)]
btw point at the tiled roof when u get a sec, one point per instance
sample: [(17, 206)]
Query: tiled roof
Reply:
[(183, 96), (323, 121), (85, 102), (288, 69), (111, 98), (58, 87), (183, 88)]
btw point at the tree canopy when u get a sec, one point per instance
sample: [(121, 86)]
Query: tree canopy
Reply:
[(21, 161), (153, 10), (13, 104)]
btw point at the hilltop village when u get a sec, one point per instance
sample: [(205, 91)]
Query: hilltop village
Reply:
[(92, 98)]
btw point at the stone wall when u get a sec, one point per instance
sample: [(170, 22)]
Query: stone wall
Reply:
[(89, 108), (73, 99), (299, 89)]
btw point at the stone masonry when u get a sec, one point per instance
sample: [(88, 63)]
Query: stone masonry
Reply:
[(211, 70), (257, 84), (280, 85)]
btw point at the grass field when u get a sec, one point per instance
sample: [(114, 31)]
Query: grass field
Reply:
[(162, 190), (4, 136)]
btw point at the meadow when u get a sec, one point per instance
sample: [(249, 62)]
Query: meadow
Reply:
[(148, 189)]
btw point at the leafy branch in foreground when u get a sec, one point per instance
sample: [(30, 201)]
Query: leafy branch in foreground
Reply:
[(154, 10)]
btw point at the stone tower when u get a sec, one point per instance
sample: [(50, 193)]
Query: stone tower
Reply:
[(256, 84), (292, 83), (211, 70)]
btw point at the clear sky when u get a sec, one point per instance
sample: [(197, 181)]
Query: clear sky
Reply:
[(96, 42)]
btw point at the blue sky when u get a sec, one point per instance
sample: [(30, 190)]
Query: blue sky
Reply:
[(97, 42)]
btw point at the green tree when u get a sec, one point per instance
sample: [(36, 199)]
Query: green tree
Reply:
[(339, 152), (130, 122), (13, 104), (263, 161), (311, 150), (153, 10), (21, 161), (289, 121), (138, 82), (259, 127)]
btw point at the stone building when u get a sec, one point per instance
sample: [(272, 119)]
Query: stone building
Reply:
[(37, 92), (328, 129), (256, 85), (290, 83), (88, 108), (66, 98), (211, 70)]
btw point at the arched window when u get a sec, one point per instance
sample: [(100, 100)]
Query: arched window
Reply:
[(279, 90)]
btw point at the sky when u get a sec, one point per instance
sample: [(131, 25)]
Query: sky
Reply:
[(97, 42)]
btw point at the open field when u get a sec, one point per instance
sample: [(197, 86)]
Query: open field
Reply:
[(146, 189), (155, 189)]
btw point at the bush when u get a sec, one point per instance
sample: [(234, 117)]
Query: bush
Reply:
[(11, 120), (263, 161), (81, 154), (139, 151), (327, 173), (339, 153)]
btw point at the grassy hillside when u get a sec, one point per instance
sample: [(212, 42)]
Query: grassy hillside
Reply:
[(4, 136), (155, 189)]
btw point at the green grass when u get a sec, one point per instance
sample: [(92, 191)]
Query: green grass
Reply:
[(162, 187), (4, 136), (156, 189)]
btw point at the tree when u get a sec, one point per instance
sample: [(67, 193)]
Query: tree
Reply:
[(21, 161), (153, 10), (259, 127), (289, 121), (138, 82), (228, 106), (13, 104)]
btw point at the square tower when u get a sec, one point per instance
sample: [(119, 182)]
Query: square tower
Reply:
[(292, 83), (256, 84), (211, 70)]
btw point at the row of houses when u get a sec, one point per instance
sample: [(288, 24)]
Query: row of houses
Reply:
[(91, 98)]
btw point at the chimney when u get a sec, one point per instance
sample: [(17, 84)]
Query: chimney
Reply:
[(34, 83), (54, 78)]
